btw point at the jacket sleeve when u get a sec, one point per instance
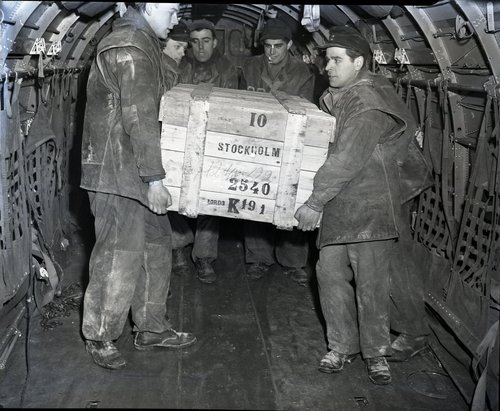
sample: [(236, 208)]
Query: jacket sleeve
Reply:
[(139, 105), (351, 150)]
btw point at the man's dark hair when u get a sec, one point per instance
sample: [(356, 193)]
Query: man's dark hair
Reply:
[(354, 53)]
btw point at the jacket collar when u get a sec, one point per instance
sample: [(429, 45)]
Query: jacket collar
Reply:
[(333, 94), (170, 63)]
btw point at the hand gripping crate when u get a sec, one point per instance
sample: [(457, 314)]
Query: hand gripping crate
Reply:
[(241, 154)]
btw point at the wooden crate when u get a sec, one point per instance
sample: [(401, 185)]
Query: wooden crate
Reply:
[(241, 154)]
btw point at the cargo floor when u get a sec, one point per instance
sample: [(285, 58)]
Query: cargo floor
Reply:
[(259, 344)]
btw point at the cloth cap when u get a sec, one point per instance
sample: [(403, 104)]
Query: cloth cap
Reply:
[(201, 25), (179, 32), (275, 29), (348, 38)]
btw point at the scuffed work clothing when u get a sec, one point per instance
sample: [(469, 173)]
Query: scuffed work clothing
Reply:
[(206, 238), (266, 244), (358, 186), (129, 269), (357, 319), (294, 78), (121, 136), (218, 71), (171, 72)]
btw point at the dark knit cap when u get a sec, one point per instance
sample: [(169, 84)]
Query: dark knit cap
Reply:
[(348, 38), (179, 32), (275, 29), (202, 24)]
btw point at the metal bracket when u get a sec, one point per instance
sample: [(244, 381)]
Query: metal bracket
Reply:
[(378, 56), (55, 48), (38, 46), (401, 57)]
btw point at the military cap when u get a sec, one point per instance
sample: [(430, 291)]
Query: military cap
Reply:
[(201, 24), (275, 29), (180, 32), (348, 38)]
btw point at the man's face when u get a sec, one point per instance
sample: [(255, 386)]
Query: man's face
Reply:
[(342, 70), (162, 17), (175, 49), (275, 50), (203, 44)]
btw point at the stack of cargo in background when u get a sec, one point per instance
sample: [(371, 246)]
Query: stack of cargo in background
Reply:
[(241, 154)]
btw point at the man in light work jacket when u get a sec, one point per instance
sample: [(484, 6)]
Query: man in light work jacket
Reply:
[(130, 264), (205, 64), (276, 70), (359, 191)]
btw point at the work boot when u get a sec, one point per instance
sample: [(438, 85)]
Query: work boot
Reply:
[(205, 271), (378, 370), (297, 274), (334, 361), (407, 346), (257, 270), (105, 354), (180, 263), (170, 339)]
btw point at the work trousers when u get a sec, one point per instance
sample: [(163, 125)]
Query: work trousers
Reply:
[(264, 243), (357, 317), (129, 269), (205, 240), (407, 283)]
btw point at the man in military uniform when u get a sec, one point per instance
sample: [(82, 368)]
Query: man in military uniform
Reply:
[(277, 70), (205, 64), (130, 264), (359, 193)]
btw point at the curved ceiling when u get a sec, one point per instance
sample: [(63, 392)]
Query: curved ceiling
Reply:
[(455, 41)]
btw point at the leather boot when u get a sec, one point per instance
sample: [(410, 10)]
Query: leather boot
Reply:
[(205, 271)]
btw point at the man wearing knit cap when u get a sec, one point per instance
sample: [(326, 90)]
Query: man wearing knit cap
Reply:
[(205, 64), (175, 48), (359, 193), (276, 70), (174, 51)]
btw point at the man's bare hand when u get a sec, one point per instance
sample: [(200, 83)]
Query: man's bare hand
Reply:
[(307, 218), (159, 198)]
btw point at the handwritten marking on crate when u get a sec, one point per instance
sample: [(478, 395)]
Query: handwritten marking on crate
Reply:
[(241, 154)]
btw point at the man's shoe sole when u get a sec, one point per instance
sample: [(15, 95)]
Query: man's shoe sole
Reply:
[(164, 346), (207, 280), (382, 382)]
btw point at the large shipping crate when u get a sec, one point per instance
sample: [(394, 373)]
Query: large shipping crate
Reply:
[(241, 154)]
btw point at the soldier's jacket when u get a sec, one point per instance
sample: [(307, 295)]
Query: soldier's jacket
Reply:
[(218, 71), (294, 78), (171, 72), (121, 136), (358, 188)]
